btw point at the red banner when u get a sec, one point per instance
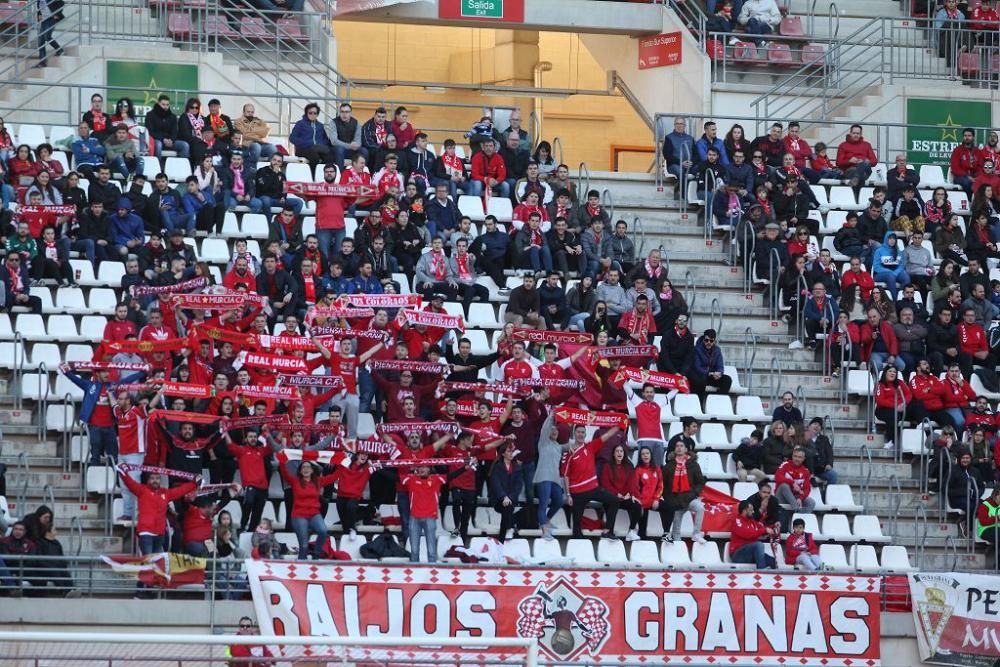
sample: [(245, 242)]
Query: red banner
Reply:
[(305, 189), (275, 362), (53, 209), (563, 337), (339, 333), (301, 343), (625, 351), (147, 346), (588, 616), (429, 319), (580, 417), (660, 50), (423, 427), (482, 388), (268, 392), (323, 381), (471, 409), (183, 389), (209, 301), (226, 336), (109, 366), (381, 300), (162, 570), (404, 365), (340, 313), (176, 288), (957, 618), (558, 383), (655, 378)]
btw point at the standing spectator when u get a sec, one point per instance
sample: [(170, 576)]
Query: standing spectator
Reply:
[(161, 123), (151, 526), (683, 482), (506, 482), (423, 489), (50, 12), (96, 412), (965, 487), (580, 472), (949, 27), (709, 368), (745, 546), (309, 138), (306, 486), (856, 157)]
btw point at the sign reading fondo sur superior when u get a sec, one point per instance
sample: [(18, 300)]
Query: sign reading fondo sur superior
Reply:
[(510, 11), (660, 50), (178, 81), (580, 615), (943, 122), (957, 618)]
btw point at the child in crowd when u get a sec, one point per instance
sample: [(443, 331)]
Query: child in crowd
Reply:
[(801, 549)]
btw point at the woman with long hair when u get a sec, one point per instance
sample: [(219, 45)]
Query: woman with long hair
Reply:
[(543, 158), (894, 402), (599, 321), (616, 478), (43, 186), (6, 144), (945, 280), (21, 167), (190, 126), (647, 489), (980, 242), (672, 304), (937, 210), (307, 488), (580, 299), (881, 302), (505, 488)]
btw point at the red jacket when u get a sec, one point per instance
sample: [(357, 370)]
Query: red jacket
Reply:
[(745, 531), (351, 481), (245, 651), (797, 477), (797, 545), (987, 179), (617, 479), (854, 149), (984, 17), (251, 463), (153, 504), (579, 467), (116, 330), (232, 280), (972, 338), (862, 279), (864, 337), (800, 149), (986, 420), (647, 485), (305, 496), (197, 526), (884, 395), (492, 167), (958, 395), (965, 161), (929, 390)]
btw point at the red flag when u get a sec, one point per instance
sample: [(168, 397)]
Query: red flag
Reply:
[(719, 510)]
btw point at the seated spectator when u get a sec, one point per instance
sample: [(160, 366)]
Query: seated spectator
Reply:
[(13, 550), (855, 157), (793, 484), (449, 170), (489, 170), (612, 293), (745, 546), (894, 402), (824, 458), (236, 181), (552, 300), (727, 206), (524, 305), (749, 458), (910, 337), (566, 248), (617, 477), (530, 248), (345, 136), (269, 187), (877, 341), (161, 124), (950, 243), (596, 243), (309, 138), (906, 215), (580, 301), (587, 211), (515, 161), (254, 133), (973, 342), (887, 265), (442, 213), (122, 153), (52, 262), (821, 314), (801, 549), (708, 369), (771, 254), (433, 274), (965, 487), (787, 412), (199, 206), (711, 174), (957, 397)]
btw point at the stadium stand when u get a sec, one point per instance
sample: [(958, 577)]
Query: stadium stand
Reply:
[(244, 349)]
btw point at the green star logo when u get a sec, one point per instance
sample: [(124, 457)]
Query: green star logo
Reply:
[(949, 129)]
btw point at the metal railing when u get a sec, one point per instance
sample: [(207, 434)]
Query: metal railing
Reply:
[(692, 291), (639, 238), (749, 356), (17, 369), (608, 202), (923, 460), (557, 149), (896, 495), (715, 308), (776, 375), (583, 181), (24, 474), (920, 542), (800, 398), (43, 405), (865, 460)]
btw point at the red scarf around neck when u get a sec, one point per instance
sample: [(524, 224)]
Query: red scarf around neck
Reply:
[(681, 482)]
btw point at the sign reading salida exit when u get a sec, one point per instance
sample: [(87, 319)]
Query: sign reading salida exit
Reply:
[(508, 11)]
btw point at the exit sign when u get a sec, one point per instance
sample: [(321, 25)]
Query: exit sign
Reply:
[(508, 11)]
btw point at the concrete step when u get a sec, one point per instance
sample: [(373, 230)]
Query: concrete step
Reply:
[(13, 447), (57, 480)]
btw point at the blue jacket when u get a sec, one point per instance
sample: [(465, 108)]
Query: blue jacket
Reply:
[(306, 134), (888, 258), (494, 243), (339, 285), (444, 216), (192, 204), (702, 146), (678, 147), (706, 362), (370, 286), (92, 391), (830, 311), (125, 229), (743, 174), (504, 484), (95, 154)]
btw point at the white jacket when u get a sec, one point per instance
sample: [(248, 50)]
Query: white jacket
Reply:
[(762, 10)]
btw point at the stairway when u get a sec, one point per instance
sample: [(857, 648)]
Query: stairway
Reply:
[(685, 247)]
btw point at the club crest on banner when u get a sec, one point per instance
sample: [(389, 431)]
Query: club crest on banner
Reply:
[(566, 623), (934, 612)]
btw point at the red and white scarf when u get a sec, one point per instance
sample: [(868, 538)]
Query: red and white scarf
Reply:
[(432, 319), (197, 123), (462, 261), (439, 266), (452, 165), (681, 483)]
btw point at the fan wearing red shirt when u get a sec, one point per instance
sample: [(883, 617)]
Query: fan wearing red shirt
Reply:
[(351, 483), (958, 394), (306, 487), (965, 162), (152, 524), (396, 392), (423, 489), (345, 364), (120, 326), (745, 545), (462, 480), (793, 482), (973, 344), (520, 366), (579, 468), (616, 478), (131, 423), (251, 457), (198, 522), (486, 425), (243, 652), (240, 276), (647, 489)]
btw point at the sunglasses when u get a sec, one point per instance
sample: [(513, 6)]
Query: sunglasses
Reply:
[(245, 627), (757, 155)]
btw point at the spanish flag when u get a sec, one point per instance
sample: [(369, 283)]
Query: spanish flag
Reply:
[(162, 570)]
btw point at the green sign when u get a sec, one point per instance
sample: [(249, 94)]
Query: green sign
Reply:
[(491, 9), (944, 121), (178, 81)]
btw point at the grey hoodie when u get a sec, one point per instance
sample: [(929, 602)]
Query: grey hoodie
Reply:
[(549, 454), (916, 260)]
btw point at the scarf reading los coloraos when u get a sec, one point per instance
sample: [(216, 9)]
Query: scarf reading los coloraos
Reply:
[(430, 319), (381, 300)]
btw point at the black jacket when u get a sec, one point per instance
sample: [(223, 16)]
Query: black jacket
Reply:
[(161, 124), (93, 228), (765, 513), (283, 284), (940, 337), (824, 453), (676, 352), (516, 162), (186, 133), (109, 194), (269, 183)]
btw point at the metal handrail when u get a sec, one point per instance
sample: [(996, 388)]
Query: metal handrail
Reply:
[(923, 459), (834, 18), (109, 495), (920, 542), (75, 533), (746, 243), (865, 458), (775, 377), (583, 185), (535, 135), (715, 307), (829, 428), (18, 371), (48, 494), (44, 403), (944, 463), (952, 548), (774, 291), (800, 397), (749, 356), (69, 423), (639, 231), (557, 145), (870, 414), (692, 289), (896, 493)]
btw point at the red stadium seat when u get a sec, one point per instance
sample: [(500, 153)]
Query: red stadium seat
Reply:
[(791, 26), (716, 49), (813, 54), (218, 26), (290, 28), (781, 54), (968, 64), (252, 27), (745, 52), (12, 14), (179, 25)]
